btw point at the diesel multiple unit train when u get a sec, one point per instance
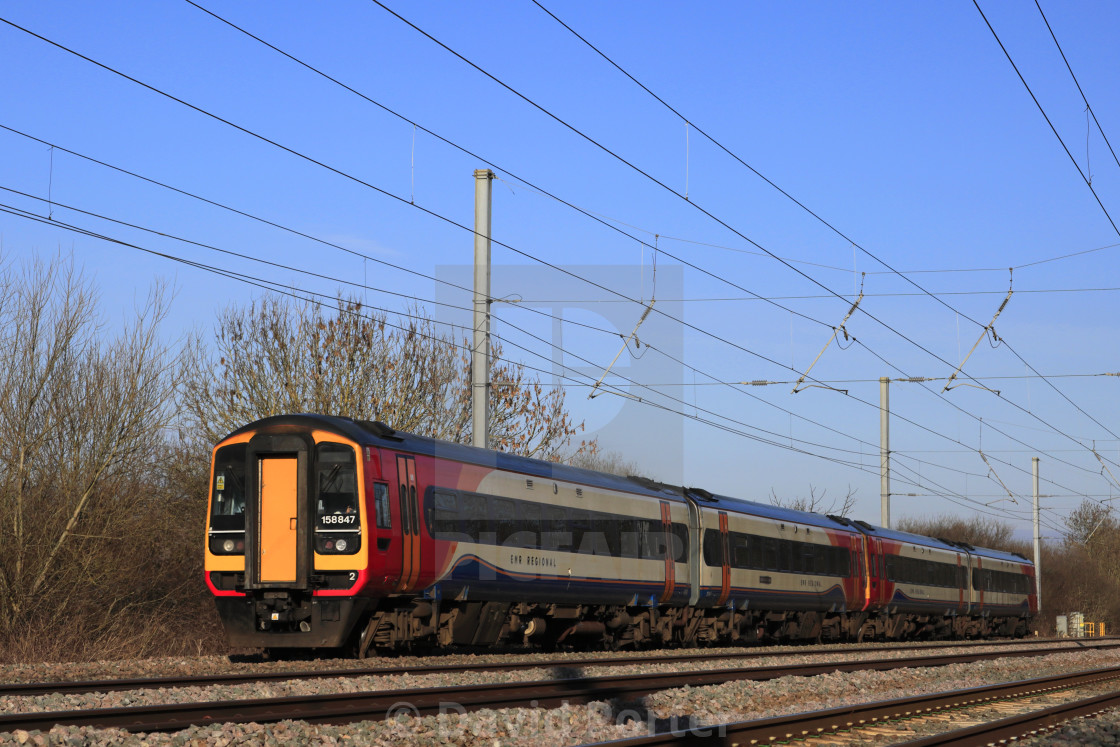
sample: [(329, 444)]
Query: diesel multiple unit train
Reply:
[(327, 532)]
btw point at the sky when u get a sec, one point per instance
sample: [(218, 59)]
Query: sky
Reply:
[(888, 148)]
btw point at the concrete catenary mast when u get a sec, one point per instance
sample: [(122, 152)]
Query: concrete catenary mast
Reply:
[(480, 351)]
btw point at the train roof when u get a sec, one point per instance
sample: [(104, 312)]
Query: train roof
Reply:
[(770, 511), (915, 539), (372, 433), (921, 539), (1012, 557)]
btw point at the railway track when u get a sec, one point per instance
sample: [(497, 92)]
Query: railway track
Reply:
[(896, 721), (77, 687), (571, 688)]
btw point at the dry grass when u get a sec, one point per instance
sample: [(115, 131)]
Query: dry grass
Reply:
[(185, 632)]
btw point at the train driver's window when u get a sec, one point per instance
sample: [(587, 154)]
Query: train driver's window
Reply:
[(228, 500), (381, 505), (336, 487)]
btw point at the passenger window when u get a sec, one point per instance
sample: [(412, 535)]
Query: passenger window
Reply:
[(502, 518), (381, 505), (404, 508), (474, 524), (527, 527), (606, 530), (580, 523), (415, 511), (594, 539), (445, 516), (785, 555), (652, 544), (678, 543), (740, 553), (769, 553), (713, 551), (554, 531)]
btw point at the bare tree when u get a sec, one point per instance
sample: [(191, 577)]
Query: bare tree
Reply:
[(816, 503), (1092, 552), (979, 531), (81, 413), (1092, 523), (611, 462), (276, 356)]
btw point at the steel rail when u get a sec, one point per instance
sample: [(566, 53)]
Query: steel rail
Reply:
[(1019, 726), (77, 687), (343, 708), (801, 726)]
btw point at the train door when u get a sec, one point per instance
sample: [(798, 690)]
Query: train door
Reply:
[(978, 584), (380, 491), (963, 597), (277, 511), (695, 550), (859, 573), (278, 546), (876, 583), (725, 574), (670, 560), (867, 581), (409, 534)]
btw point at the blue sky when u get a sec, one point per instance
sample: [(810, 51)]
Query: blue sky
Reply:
[(902, 125)]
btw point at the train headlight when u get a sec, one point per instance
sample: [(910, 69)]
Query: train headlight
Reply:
[(327, 544), (227, 545)]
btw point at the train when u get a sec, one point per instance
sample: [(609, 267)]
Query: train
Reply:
[(326, 532)]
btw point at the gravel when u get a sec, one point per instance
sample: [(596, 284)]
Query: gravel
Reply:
[(1103, 729), (568, 725)]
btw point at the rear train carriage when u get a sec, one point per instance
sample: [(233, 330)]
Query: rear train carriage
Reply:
[(1003, 592)]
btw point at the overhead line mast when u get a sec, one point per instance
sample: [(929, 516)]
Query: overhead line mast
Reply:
[(480, 352)]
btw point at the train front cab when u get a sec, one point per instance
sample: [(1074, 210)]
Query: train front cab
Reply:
[(286, 523)]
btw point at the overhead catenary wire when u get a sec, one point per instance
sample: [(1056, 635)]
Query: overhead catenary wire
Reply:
[(707, 213), (301, 155), (1077, 83), (282, 287), (829, 225), (800, 417), (370, 100), (1086, 179), (850, 297), (313, 238), (492, 164), (273, 286), (285, 289), (413, 316), (1045, 116), (383, 192), (915, 379), (380, 190), (408, 296), (354, 91), (317, 239), (847, 270)]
